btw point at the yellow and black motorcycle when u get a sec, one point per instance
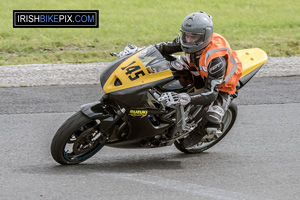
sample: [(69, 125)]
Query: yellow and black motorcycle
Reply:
[(131, 113)]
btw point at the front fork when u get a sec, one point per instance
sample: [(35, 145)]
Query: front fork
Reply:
[(108, 119), (108, 123)]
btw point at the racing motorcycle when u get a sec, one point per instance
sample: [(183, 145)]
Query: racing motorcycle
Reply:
[(133, 114)]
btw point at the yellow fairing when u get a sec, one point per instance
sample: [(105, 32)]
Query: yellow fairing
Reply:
[(251, 59), (131, 73)]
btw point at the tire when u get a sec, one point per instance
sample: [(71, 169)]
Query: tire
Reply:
[(73, 142), (227, 123)]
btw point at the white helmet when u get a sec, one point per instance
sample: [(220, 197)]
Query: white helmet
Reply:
[(196, 32)]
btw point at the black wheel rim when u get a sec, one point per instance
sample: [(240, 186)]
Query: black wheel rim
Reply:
[(83, 142)]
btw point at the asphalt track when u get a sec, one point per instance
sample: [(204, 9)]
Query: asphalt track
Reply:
[(258, 160)]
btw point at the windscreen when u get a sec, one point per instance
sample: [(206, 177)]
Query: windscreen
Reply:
[(153, 60)]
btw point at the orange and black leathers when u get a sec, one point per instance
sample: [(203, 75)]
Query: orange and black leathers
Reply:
[(211, 83), (217, 69)]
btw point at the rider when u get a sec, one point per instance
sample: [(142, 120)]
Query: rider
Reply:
[(213, 65)]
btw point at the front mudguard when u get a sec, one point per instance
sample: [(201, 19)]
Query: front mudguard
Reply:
[(95, 110)]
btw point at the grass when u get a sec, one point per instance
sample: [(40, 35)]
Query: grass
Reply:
[(268, 24)]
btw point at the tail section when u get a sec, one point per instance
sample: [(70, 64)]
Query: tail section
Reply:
[(252, 60)]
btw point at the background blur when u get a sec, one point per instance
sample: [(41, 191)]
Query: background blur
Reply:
[(272, 25)]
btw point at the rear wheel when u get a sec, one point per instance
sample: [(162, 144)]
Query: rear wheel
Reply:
[(227, 123), (76, 140)]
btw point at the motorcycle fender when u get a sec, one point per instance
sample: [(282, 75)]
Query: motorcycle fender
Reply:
[(95, 110)]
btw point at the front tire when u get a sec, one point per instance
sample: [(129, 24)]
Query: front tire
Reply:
[(76, 140), (227, 123)]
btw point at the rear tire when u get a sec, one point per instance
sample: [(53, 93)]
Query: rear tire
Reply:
[(227, 123), (76, 140)]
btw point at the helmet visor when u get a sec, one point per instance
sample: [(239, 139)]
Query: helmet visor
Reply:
[(190, 38)]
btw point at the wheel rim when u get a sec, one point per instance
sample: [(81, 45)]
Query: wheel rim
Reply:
[(202, 146), (83, 142)]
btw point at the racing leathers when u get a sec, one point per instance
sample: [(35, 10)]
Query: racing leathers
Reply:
[(210, 94), (215, 76)]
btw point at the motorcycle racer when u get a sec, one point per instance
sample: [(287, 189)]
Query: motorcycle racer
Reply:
[(213, 65)]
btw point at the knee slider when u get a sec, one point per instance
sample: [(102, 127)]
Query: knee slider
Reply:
[(214, 115)]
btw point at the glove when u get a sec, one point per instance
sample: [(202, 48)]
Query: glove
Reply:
[(176, 65), (184, 99), (129, 49), (179, 64), (172, 98)]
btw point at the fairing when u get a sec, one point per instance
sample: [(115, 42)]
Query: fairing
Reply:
[(144, 67), (127, 80)]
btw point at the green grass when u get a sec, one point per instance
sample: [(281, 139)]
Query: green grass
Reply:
[(272, 25)]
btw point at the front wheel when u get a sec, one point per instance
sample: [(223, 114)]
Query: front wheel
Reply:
[(76, 140), (227, 123)]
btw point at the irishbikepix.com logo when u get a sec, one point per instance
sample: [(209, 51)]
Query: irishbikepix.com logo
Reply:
[(56, 18)]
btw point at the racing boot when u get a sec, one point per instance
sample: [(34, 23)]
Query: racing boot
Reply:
[(214, 119), (197, 136), (193, 138)]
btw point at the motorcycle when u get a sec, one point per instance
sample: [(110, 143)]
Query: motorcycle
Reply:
[(132, 114)]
